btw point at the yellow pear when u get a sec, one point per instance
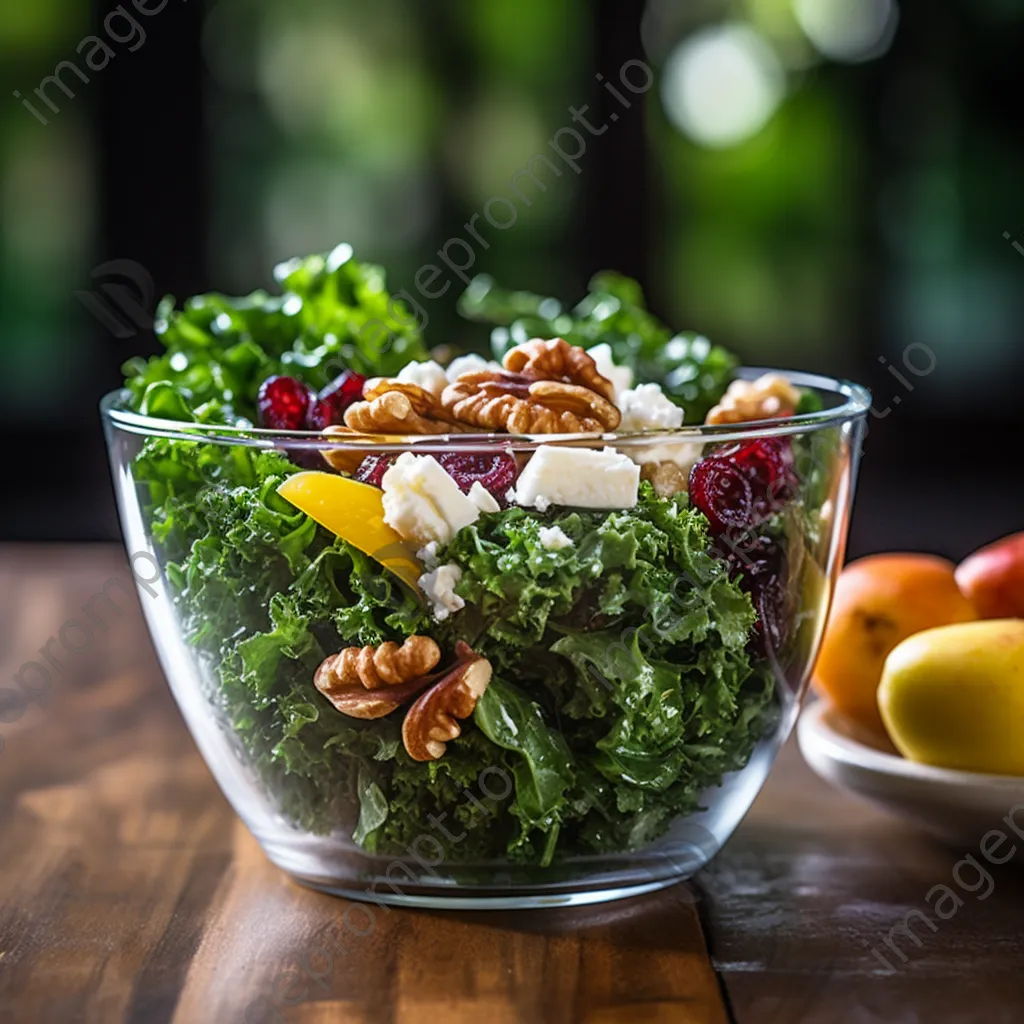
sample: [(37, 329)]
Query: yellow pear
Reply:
[(953, 697)]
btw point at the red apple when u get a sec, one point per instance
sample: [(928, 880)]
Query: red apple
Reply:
[(992, 579)]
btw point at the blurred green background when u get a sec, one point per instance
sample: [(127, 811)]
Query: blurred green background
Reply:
[(818, 184)]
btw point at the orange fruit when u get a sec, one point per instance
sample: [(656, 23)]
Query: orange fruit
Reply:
[(879, 602)]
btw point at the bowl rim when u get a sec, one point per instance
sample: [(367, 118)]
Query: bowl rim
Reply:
[(856, 401), (815, 729)]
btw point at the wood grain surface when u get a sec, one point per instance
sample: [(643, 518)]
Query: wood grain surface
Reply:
[(129, 891)]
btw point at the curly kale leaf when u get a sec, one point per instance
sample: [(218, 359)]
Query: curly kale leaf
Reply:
[(333, 313), (630, 646)]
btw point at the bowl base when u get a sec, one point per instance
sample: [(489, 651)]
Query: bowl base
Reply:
[(509, 901), (337, 867)]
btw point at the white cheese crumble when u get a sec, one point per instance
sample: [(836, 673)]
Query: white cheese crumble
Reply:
[(469, 364), (429, 376), (423, 503), (428, 554), (439, 586), (620, 376), (646, 407), (579, 478), (554, 539)]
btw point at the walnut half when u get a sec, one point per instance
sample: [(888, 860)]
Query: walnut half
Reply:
[(386, 665), (557, 360), (392, 406), (433, 720), (745, 401), (371, 682), (519, 404)]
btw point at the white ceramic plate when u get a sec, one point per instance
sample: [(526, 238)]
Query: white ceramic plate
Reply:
[(956, 806)]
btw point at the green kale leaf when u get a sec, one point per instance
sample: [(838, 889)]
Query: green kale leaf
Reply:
[(334, 313)]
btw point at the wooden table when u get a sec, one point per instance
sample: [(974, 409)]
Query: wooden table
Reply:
[(129, 891)]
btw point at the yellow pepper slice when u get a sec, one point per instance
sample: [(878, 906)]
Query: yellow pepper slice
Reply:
[(355, 512)]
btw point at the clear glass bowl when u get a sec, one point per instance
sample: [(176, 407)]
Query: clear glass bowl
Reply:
[(644, 679)]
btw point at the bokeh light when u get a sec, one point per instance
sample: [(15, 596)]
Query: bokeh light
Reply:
[(722, 84), (848, 30)]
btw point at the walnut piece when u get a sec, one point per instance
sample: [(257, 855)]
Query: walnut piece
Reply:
[(769, 396), (557, 360), (434, 719), (514, 402), (386, 665), (667, 478), (345, 460), (370, 682), (392, 406), (358, 702)]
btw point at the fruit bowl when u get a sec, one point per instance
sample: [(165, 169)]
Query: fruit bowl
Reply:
[(555, 703), (956, 806)]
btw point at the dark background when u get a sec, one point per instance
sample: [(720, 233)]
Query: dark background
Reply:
[(854, 219)]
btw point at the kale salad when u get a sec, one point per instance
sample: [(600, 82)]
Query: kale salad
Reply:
[(595, 618)]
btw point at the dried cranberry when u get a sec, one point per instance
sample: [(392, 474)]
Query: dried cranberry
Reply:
[(328, 407), (372, 469), (496, 472), (768, 464), (722, 493), (761, 460), (741, 486), (283, 403), (738, 489)]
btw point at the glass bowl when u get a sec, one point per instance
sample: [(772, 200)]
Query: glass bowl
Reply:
[(643, 666)]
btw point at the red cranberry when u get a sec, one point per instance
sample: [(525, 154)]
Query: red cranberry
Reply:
[(283, 403), (741, 486), (496, 472), (768, 464), (737, 489), (328, 407), (722, 492), (372, 469)]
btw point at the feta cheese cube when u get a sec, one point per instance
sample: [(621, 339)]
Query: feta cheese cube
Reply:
[(579, 478), (422, 503), (439, 586), (429, 376), (554, 538), (620, 376), (646, 407)]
